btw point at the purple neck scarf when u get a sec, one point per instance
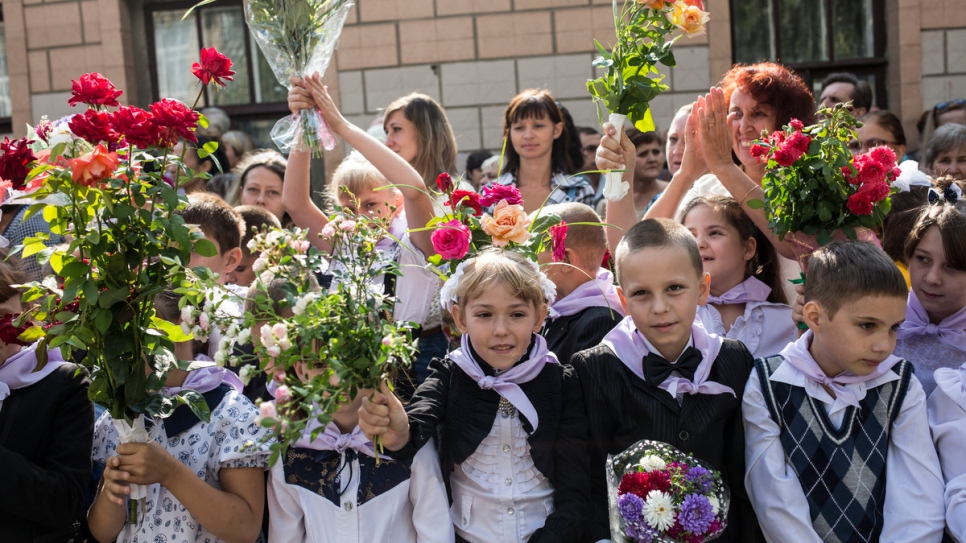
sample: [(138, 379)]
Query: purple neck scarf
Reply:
[(397, 229), (18, 370), (631, 347), (749, 290), (798, 356), (597, 292), (206, 379), (332, 439), (951, 330), (507, 384)]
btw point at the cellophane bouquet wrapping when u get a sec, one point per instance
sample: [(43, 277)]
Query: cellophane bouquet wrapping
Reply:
[(298, 37), (657, 493)]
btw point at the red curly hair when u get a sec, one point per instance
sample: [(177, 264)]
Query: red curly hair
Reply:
[(775, 85)]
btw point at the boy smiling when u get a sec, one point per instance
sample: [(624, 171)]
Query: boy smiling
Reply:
[(838, 439)]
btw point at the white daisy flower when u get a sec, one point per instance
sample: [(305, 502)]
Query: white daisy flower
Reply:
[(658, 510), (715, 504), (652, 462)]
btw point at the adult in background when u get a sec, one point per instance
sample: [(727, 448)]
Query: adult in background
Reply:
[(474, 167), (260, 175), (538, 158), (490, 170), (842, 87), (943, 113), (674, 152), (236, 143), (946, 154), (218, 123), (417, 129), (202, 168)]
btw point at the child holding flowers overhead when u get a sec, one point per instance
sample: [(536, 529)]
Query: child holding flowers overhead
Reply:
[(511, 417)]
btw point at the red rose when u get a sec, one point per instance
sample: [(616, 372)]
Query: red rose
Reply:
[(558, 239), (877, 190), (94, 126), (93, 89), (796, 124), (9, 333), (175, 121), (465, 198), (860, 203), (492, 194), (136, 126), (883, 155), (451, 240), (799, 141), (758, 151), (776, 137), (786, 155), (871, 171), (214, 66), (851, 174), (445, 182), (894, 174), (16, 161)]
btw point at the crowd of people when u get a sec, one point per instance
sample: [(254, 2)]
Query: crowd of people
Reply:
[(670, 317)]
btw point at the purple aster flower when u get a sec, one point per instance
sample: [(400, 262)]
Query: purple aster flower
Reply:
[(630, 507), (696, 514), (639, 532), (700, 477)]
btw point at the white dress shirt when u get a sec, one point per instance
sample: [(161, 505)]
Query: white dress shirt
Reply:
[(947, 419), (765, 328), (499, 495), (913, 509), (407, 513)]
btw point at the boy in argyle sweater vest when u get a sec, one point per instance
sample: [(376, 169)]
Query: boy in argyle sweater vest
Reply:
[(838, 445)]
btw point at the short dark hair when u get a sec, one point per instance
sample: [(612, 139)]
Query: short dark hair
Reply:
[(217, 220), (587, 131), (256, 219), (845, 271), (588, 240), (889, 122), (476, 159), (218, 159), (538, 104), (861, 91), (640, 138), (902, 217), (657, 233)]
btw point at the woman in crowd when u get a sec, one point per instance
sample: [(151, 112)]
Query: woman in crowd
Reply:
[(260, 175), (946, 154), (236, 143), (417, 130)]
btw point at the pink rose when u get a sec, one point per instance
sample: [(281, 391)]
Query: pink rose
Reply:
[(496, 192), (266, 410), (508, 223), (558, 238), (883, 155), (282, 393), (348, 225), (796, 124), (451, 240), (327, 231)]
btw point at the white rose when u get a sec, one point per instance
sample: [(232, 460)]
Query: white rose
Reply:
[(284, 344), (245, 374), (243, 337), (259, 264), (651, 463), (224, 344), (274, 351), (187, 315), (186, 328), (220, 359), (268, 339)]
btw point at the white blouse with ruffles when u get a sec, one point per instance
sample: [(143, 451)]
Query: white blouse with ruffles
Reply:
[(765, 328)]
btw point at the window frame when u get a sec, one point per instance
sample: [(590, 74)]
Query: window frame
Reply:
[(6, 123)]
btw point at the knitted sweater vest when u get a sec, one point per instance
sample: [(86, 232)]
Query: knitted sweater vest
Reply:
[(842, 471)]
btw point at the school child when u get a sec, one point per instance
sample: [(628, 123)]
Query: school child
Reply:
[(205, 480), (947, 420), (660, 375), (222, 226), (587, 305), (46, 427), (332, 490), (838, 445), (934, 333), (380, 184), (511, 419), (256, 219), (747, 300)]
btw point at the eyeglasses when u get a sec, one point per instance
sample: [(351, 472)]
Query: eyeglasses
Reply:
[(856, 145), (943, 106)]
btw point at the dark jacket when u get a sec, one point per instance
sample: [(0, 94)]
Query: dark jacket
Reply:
[(451, 400), (46, 431), (623, 409), (583, 330)]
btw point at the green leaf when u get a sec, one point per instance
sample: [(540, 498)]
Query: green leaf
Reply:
[(31, 334), (755, 204), (196, 403), (32, 249), (112, 296), (173, 331), (205, 248), (102, 319), (645, 124)]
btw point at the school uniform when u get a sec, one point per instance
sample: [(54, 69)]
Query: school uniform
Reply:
[(581, 319), (512, 445), (696, 410), (332, 490), (765, 328), (857, 467), (46, 424), (947, 420), (231, 439), (931, 346)]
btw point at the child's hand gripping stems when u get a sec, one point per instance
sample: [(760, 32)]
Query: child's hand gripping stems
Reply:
[(383, 420)]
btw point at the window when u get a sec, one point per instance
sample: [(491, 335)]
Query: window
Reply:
[(254, 100), (6, 123), (815, 38)]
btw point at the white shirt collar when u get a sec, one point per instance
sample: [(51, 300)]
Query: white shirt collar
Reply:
[(786, 373)]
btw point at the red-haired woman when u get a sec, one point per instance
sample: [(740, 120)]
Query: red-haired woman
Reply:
[(751, 99), (537, 162)]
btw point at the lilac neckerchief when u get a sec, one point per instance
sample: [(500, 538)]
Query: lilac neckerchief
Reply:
[(951, 330), (798, 356), (397, 229), (332, 439), (18, 370), (507, 384), (630, 345), (749, 290), (597, 292), (206, 379)]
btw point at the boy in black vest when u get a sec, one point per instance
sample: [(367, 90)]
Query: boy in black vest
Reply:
[(838, 445), (660, 375)]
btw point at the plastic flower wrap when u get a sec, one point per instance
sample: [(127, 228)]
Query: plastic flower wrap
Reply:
[(660, 494), (298, 37)]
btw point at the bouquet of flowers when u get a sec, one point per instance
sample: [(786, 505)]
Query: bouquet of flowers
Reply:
[(815, 190), (98, 178), (660, 494), (632, 79), (348, 331), (298, 37)]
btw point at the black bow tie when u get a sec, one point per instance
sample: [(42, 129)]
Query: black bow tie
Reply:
[(657, 368)]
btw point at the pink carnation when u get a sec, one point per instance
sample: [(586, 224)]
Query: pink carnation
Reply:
[(883, 155), (860, 203)]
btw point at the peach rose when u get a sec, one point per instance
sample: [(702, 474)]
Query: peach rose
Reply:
[(690, 19), (508, 223), (653, 4), (93, 167)]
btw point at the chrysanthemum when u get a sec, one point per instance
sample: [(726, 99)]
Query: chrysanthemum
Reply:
[(658, 510), (652, 462)]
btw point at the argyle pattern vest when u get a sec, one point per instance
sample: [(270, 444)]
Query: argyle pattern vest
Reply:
[(842, 471)]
